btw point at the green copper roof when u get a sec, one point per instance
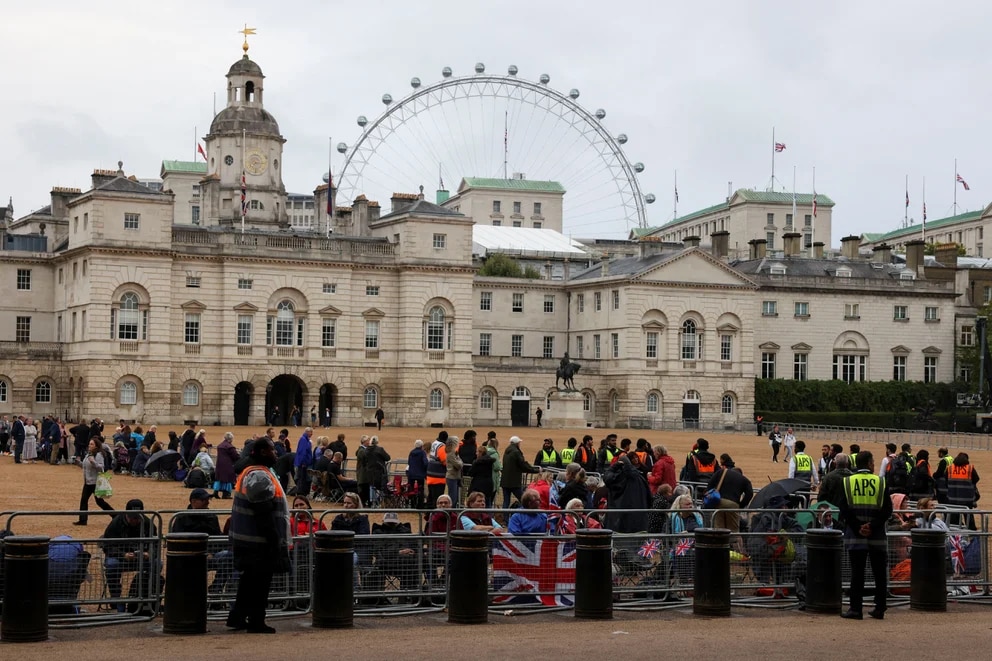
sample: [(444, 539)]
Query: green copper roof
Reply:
[(193, 167), (917, 229), (638, 232), (696, 214), (871, 237), (764, 197), (514, 184)]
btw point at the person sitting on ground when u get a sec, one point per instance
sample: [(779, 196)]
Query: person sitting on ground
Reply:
[(129, 544), (476, 520), (575, 487), (205, 462), (701, 464), (141, 459), (526, 520)]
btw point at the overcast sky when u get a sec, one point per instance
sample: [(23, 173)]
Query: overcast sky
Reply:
[(867, 92)]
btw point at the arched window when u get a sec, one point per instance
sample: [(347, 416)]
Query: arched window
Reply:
[(371, 398), (129, 393), (586, 402), (191, 395), (486, 400), (285, 321), (255, 205), (129, 317), (521, 391), (652, 403), (3, 391), (437, 330), (436, 399), (727, 404), (43, 393), (615, 401), (689, 340)]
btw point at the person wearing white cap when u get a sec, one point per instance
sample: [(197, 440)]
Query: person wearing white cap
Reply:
[(514, 466)]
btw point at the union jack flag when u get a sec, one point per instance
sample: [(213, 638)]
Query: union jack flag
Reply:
[(957, 553), (244, 194), (649, 549), (684, 545), (779, 146), (527, 571), (963, 182)]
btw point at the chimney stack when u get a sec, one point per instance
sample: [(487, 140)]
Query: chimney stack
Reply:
[(720, 244), (914, 256), (649, 246), (402, 201), (605, 270), (882, 253), (691, 242), (818, 250), (793, 243), (758, 247), (947, 254), (849, 246)]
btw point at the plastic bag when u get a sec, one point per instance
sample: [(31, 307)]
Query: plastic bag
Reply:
[(103, 487)]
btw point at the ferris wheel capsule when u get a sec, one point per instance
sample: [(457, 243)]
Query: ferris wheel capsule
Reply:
[(446, 72), (650, 198), (622, 138), (326, 177), (573, 93), (545, 79), (512, 70), (387, 99), (362, 120), (600, 114), (342, 148), (480, 67), (414, 82), (638, 167)]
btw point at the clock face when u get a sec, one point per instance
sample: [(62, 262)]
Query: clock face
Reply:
[(228, 160), (256, 162)]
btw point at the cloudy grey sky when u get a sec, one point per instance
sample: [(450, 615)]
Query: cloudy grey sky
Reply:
[(867, 92)]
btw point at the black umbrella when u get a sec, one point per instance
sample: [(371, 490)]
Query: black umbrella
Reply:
[(779, 489), (163, 461)]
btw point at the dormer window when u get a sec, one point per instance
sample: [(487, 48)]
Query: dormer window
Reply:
[(843, 273), (907, 275), (776, 269)]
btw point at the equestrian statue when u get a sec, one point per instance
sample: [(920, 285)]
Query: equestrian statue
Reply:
[(566, 370)]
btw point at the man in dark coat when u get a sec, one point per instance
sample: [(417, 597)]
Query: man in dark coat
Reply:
[(628, 490), (189, 436)]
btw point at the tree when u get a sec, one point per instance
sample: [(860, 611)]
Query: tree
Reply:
[(498, 265)]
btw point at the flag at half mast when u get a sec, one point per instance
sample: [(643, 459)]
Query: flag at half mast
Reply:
[(779, 146), (963, 182)]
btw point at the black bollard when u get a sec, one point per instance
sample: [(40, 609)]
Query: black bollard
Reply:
[(25, 594), (185, 583), (927, 581), (468, 580), (594, 574), (711, 588), (333, 579), (825, 549)]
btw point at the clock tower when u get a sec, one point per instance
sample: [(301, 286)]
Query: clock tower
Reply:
[(244, 138)]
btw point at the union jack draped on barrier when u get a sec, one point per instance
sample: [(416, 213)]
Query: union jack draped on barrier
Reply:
[(525, 568)]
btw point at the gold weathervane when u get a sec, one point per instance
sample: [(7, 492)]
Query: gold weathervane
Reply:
[(247, 31)]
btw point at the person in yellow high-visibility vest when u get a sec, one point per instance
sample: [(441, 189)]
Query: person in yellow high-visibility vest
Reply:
[(801, 466), (865, 509)]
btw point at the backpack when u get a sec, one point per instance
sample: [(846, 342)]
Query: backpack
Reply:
[(920, 480), (196, 479), (897, 473)]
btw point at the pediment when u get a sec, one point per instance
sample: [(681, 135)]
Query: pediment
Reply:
[(769, 346), (900, 349), (695, 267), (801, 347), (932, 350), (654, 324), (728, 328), (193, 305), (373, 313), (245, 307), (330, 310)]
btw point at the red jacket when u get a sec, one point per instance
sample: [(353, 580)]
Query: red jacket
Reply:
[(544, 490), (663, 472)]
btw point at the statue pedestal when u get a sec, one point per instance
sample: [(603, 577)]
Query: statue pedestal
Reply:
[(565, 411)]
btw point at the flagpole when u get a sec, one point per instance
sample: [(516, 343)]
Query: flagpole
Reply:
[(675, 201), (793, 197), (812, 223), (506, 138), (923, 230), (194, 144), (771, 184), (244, 199), (330, 187), (905, 213), (955, 187)]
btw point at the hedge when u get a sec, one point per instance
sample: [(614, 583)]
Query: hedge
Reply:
[(861, 396), (887, 420)]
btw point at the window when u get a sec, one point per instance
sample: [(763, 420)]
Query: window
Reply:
[(616, 299), (768, 365), (23, 279), (770, 240), (802, 308), (244, 283), (967, 336), (3, 391), (371, 334), (517, 223), (497, 223), (964, 374), (586, 402), (800, 366), (769, 308), (516, 207), (486, 400), (284, 323), (771, 223), (850, 368), (689, 340), (931, 314), (843, 272), (776, 269), (597, 299), (929, 369), (328, 333), (60, 275), (516, 346), (330, 288), (518, 302), (58, 328), (485, 344), (652, 402), (580, 303), (256, 205), (615, 344), (191, 394), (22, 329), (129, 393), (727, 404), (132, 221), (615, 402), (436, 399), (440, 241), (496, 206), (371, 290), (538, 225), (43, 393), (192, 328), (579, 346), (435, 329), (651, 346), (128, 317), (548, 346), (726, 348), (537, 208), (244, 329), (595, 347), (370, 399), (549, 303), (988, 295), (193, 281), (900, 313), (788, 221), (808, 220), (195, 214), (852, 311), (898, 368)]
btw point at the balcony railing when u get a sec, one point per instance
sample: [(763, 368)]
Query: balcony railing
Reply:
[(128, 346), (30, 349), (192, 349)]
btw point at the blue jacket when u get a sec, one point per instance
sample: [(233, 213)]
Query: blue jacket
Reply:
[(417, 464), (304, 452), (523, 522)]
